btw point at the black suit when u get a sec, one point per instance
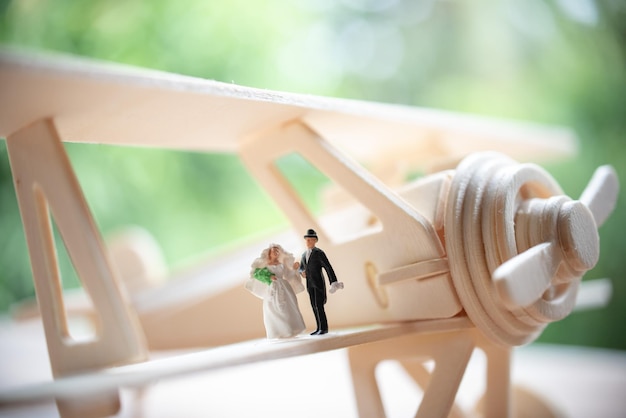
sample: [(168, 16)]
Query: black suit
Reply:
[(315, 283)]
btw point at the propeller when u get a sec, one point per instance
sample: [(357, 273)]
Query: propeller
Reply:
[(568, 240), (517, 246)]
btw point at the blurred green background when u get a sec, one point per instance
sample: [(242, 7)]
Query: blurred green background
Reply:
[(556, 62)]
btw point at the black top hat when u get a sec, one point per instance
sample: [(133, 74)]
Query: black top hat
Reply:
[(310, 234)]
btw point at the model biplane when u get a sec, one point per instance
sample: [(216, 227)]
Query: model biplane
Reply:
[(484, 251)]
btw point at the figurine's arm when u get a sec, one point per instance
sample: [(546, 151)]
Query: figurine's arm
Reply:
[(334, 284), (329, 269), (302, 266)]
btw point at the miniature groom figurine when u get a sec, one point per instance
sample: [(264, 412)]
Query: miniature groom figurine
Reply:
[(311, 265)]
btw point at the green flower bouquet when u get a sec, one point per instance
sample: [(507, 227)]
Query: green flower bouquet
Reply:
[(263, 275)]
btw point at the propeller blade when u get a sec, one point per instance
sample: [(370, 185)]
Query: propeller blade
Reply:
[(594, 294), (524, 278), (600, 195)]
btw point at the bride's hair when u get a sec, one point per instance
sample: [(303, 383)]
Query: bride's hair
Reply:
[(287, 261), (285, 258)]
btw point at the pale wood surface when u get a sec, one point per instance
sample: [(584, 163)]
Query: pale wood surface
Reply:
[(217, 358), (401, 265), (48, 191), (400, 237), (97, 102), (450, 353), (579, 382)]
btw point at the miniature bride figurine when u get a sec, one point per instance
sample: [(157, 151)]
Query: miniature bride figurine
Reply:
[(274, 278)]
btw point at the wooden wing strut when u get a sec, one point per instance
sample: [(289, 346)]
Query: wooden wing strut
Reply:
[(46, 186)]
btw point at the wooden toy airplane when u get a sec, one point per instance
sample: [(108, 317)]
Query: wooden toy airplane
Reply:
[(483, 254)]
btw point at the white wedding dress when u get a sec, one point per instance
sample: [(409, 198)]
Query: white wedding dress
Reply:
[(281, 314)]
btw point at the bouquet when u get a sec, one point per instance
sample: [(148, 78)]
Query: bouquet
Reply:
[(263, 275)]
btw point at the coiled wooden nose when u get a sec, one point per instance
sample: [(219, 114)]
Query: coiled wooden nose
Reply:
[(517, 246)]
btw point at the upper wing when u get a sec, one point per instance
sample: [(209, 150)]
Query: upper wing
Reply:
[(96, 102)]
